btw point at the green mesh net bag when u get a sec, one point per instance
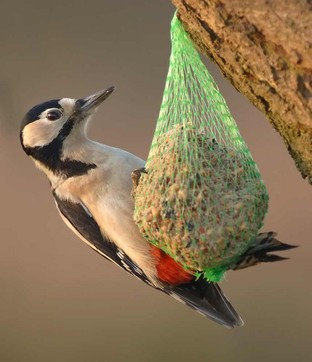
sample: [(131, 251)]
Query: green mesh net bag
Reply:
[(202, 199)]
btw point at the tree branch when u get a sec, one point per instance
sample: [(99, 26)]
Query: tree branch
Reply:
[(265, 49)]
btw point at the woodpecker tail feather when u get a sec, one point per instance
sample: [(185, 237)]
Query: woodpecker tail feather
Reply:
[(258, 251), (207, 299)]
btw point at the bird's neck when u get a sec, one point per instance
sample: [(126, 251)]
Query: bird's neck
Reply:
[(59, 162)]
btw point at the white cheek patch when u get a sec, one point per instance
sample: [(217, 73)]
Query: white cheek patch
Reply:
[(41, 132)]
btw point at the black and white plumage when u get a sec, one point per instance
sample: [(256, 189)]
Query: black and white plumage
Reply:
[(91, 185)]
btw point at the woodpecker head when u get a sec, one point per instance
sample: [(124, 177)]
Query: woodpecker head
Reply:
[(48, 128)]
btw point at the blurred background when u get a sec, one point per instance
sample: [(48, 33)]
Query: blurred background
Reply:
[(60, 301)]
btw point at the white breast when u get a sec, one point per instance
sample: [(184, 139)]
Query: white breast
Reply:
[(106, 191)]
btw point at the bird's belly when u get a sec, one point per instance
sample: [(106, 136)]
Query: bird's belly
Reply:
[(107, 195), (114, 215)]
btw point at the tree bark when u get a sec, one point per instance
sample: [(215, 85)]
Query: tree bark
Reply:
[(264, 47)]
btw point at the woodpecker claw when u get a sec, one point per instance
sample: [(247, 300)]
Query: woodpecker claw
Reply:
[(135, 176)]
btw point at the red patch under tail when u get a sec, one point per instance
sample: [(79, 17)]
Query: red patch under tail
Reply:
[(168, 270)]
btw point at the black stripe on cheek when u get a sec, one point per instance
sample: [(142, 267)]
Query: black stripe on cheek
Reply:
[(50, 156)]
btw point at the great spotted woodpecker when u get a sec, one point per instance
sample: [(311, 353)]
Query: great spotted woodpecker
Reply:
[(91, 185)]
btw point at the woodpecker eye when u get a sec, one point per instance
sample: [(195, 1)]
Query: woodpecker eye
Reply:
[(54, 115)]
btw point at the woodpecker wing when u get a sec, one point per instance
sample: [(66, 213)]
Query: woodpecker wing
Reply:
[(80, 220), (207, 299)]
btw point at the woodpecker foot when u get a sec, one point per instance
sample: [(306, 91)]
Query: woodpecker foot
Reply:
[(135, 176)]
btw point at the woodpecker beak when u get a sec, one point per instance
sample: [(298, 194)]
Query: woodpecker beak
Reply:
[(89, 104)]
